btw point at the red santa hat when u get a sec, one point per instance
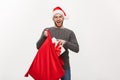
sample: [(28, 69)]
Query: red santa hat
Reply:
[(59, 10)]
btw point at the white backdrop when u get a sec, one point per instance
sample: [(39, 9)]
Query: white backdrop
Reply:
[(96, 24)]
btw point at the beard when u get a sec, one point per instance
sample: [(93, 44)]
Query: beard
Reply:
[(59, 24)]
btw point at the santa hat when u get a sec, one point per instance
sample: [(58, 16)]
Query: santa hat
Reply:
[(59, 10)]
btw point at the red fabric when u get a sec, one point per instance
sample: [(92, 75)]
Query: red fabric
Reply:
[(47, 65), (59, 8)]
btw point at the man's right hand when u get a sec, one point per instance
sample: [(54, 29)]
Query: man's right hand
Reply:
[(45, 33)]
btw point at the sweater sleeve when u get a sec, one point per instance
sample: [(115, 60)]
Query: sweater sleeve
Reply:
[(41, 40), (72, 44)]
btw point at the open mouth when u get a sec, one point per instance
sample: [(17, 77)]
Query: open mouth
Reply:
[(58, 22)]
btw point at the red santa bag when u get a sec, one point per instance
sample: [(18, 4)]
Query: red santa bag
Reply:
[(47, 65)]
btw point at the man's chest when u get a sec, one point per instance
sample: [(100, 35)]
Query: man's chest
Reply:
[(60, 35)]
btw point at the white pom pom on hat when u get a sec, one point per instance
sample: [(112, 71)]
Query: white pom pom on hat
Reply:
[(59, 10)]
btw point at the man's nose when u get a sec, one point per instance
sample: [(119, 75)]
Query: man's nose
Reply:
[(58, 18)]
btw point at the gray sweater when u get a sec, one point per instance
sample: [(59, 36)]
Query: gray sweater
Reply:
[(68, 36)]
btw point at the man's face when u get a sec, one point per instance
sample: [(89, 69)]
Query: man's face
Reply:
[(58, 20)]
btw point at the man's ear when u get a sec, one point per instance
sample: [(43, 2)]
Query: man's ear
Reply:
[(53, 18)]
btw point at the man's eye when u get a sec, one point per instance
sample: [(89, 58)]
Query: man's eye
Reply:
[(55, 17)]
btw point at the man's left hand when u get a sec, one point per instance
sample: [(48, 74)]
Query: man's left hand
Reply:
[(62, 42)]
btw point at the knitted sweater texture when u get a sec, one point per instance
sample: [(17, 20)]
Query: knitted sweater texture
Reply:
[(67, 35)]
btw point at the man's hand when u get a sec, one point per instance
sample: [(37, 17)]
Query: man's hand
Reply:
[(62, 42), (45, 33)]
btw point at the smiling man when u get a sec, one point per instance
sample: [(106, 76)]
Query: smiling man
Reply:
[(65, 36), (58, 20)]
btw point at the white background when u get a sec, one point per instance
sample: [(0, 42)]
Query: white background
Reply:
[(96, 24)]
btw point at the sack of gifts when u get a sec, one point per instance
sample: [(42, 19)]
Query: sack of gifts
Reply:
[(47, 65)]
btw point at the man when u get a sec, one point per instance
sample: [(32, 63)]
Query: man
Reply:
[(65, 36)]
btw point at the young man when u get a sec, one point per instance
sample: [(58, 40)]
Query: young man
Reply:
[(65, 36)]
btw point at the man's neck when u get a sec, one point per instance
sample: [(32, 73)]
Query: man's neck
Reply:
[(59, 27)]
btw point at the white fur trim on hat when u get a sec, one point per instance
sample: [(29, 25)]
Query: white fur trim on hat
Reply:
[(58, 12)]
